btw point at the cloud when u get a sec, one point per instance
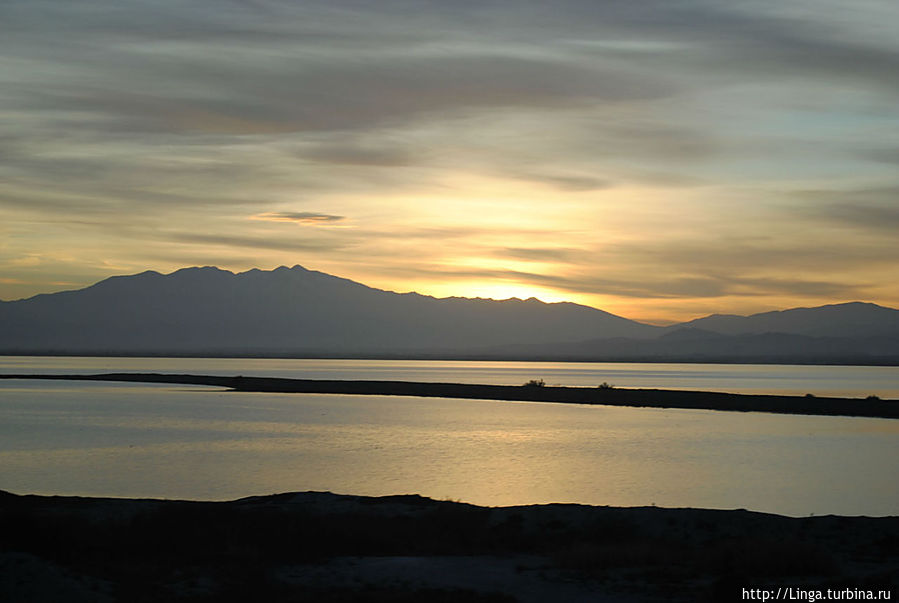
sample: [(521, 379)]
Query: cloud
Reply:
[(300, 217), (766, 41), (875, 209), (564, 182), (868, 217), (881, 155), (646, 138), (255, 242), (350, 154), (364, 93), (673, 288), (539, 254), (808, 252), (636, 148), (259, 92)]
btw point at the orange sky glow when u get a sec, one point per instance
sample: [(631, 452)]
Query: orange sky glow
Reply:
[(706, 159)]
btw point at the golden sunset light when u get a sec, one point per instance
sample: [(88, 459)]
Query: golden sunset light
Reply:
[(449, 301), (582, 154)]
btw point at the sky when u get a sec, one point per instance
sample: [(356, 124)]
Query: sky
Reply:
[(661, 159)]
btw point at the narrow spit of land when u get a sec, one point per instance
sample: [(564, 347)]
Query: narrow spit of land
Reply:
[(611, 396)]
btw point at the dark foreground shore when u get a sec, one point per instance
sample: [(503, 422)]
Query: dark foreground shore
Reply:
[(657, 398), (318, 546)]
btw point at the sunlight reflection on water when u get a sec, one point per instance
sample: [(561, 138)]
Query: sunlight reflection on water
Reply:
[(203, 443), (846, 381)]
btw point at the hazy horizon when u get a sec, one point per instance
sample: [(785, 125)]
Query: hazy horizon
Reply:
[(660, 161)]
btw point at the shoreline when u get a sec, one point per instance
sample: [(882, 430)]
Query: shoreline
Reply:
[(610, 396), (319, 546), (767, 360)]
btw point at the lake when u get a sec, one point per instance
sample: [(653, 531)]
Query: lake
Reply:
[(145, 440), (843, 381)]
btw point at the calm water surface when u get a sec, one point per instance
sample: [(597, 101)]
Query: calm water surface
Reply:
[(846, 381), (203, 443)]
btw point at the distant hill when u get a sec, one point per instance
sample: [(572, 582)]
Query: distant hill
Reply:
[(854, 319), (694, 345), (295, 311), (283, 311), (850, 333)]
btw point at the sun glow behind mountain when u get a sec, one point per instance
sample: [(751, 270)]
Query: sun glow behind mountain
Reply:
[(658, 160), (498, 291)]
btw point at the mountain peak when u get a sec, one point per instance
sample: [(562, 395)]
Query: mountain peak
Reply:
[(294, 310), (857, 304), (207, 310), (848, 319), (200, 270)]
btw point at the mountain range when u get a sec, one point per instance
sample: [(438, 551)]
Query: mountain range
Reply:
[(300, 312)]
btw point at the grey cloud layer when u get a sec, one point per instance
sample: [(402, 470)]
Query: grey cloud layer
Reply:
[(269, 69), (264, 96), (320, 112), (301, 217), (227, 69), (659, 288), (874, 210)]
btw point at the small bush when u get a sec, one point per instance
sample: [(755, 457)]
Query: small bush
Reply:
[(605, 385), (809, 395), (873, 398), (535, 383)]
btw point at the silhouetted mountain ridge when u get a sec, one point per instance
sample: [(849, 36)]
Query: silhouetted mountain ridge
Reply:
[(296, 311), (852, 319), (208, 310), (693, 345)]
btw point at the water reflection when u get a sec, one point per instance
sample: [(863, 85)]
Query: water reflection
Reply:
[(847, 381), (138, 440)]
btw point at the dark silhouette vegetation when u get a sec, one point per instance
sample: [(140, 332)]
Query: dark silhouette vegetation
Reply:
[(271, 548)]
